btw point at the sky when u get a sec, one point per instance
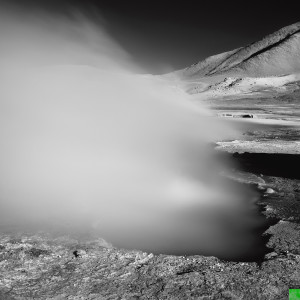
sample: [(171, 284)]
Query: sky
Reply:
[(162, 36)]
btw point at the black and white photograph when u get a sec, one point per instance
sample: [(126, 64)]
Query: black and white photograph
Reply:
[(149, 150)]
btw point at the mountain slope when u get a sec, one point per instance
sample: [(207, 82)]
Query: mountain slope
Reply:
[(276, 54)]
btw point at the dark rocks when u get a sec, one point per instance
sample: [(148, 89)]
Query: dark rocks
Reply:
[(76, 254), (34, 252), (285, 237), (247, 116), (284, 204)]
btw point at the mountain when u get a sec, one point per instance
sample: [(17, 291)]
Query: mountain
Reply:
[(276, 54)]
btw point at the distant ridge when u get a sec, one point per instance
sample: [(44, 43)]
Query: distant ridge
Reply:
[(276, 54)]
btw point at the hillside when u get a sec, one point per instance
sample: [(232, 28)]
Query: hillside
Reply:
[(276, 54)]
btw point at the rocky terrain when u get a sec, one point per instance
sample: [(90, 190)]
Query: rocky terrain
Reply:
[(36, 267)]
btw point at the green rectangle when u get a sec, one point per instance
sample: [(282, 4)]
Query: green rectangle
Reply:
[(294, 294)]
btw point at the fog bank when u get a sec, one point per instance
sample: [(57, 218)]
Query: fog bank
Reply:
[(85, 140)]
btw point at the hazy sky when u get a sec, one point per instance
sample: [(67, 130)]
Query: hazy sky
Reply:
[(165, 35)]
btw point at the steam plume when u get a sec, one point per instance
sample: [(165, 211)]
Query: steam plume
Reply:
[(86, 140)]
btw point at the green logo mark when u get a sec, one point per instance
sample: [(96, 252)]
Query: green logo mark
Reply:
[(294, 294)]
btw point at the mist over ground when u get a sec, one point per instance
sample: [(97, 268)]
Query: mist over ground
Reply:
[(85, 140)]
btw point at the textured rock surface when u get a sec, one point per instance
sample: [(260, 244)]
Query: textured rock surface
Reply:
[(284, 204), (36, 267)]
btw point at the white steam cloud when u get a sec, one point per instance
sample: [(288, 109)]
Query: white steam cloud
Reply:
[(85, 140)]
